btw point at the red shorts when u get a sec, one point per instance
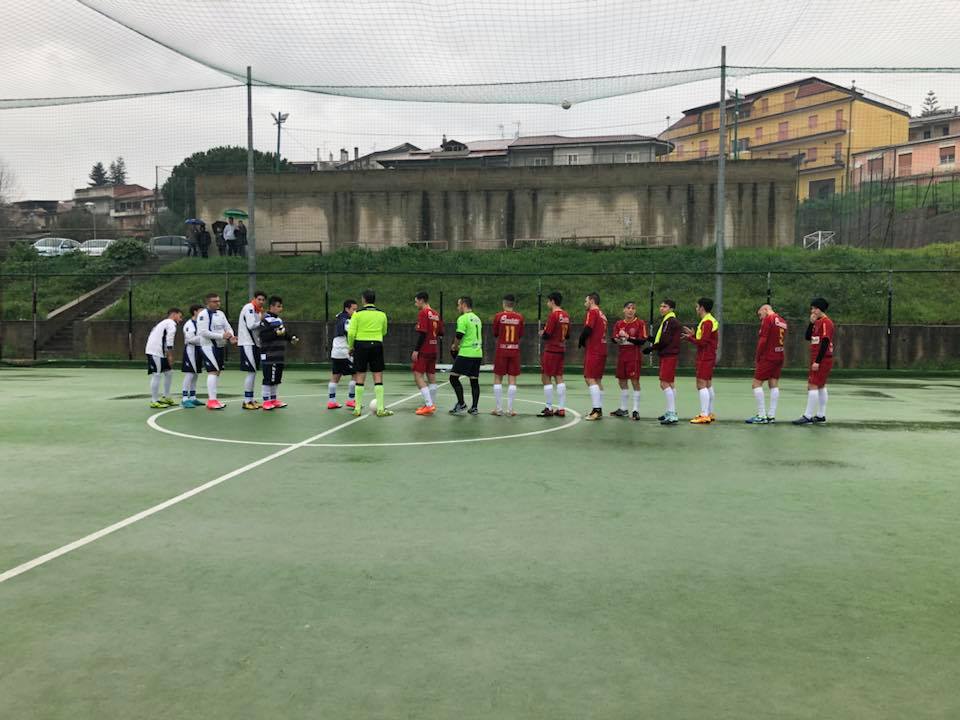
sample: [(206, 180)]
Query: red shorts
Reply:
[(628, 368), (506, 365), (819, 378), (704, 369), (551, 364), (426, 364), (668, 368), (594, 365), (767, 370)]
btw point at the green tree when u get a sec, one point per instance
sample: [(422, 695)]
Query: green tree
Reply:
[(178, 189), (930, 104), (118, 172), (98, 175)]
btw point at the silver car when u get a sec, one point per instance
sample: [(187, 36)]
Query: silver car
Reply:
[(168, 245), (54, 246), (95, 248)]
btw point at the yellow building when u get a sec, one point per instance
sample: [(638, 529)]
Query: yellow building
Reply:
[(813, 121)]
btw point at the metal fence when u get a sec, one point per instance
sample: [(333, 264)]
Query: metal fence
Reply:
[(38, 312)]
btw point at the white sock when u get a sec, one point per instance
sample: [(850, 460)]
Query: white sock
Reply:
[(498, 395), (548, 395), (561, 396), (155, 387), (331, 391), (713, 396), (193, 385), (265, 391), (624, 394), (212, 381), (188, 380), (249, 380), (704, 401), (433, 393), (595, 396), (351, 389), (812, 400), (822, 392), (636, 401), (758, 395), (167, 381), (511, 394), (427, 400), (774, 397), (671, 396)]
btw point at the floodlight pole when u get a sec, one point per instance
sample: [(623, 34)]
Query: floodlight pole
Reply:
[(251, 248), (721, 213)]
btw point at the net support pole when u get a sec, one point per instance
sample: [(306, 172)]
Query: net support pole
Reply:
[(720, 210), (34, 315), (889, 319), (129, 317), (251, 195)]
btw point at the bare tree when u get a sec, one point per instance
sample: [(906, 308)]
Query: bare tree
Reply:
[(7, 188)]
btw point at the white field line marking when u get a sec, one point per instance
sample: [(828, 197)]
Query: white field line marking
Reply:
[(92, 537), (152, 422)]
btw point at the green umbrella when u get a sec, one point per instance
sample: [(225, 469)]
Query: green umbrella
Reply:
[(234, 213)]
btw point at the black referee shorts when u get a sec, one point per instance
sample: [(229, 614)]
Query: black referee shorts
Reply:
[(367, 355), (469, 366)]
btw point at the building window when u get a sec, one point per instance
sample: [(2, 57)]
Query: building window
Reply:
[(708, 121), (540, 161), (783, 130), (945, 130), (764, 104), (948, 155), (680, 150), (703, 148), (743, 144), (839, 120), (812, 122), (758, 135), (875, 167), (838, 152), (788, 99), (821, 189), (811, 154), (926, 134), (905, 163), (633, 157), (573, 159)]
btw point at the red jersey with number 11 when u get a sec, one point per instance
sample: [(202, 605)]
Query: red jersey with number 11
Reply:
[(597, 341), (556, 331), (429, 323), (507, 329)]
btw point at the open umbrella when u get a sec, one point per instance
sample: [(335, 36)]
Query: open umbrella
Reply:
[(193, 221), (234, 213)]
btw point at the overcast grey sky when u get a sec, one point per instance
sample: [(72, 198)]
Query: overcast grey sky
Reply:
[(66, 48)]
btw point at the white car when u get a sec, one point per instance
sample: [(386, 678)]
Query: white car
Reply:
[(95, 248), (53, 246)]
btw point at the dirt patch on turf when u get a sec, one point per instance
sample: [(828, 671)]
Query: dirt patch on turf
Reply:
[(176, 395), (872, 394)]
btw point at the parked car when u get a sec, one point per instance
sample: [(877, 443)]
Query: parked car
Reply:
[(168, 245), (95, 248), (53, 246)]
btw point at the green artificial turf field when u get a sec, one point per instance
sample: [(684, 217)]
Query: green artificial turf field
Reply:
[(399, 568)]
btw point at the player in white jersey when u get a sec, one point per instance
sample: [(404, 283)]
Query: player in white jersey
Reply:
[(215, 333), (159, 353), (192, 364), (340, 362), (248, 342)]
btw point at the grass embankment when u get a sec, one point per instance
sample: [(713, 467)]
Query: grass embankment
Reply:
[(919, 298)]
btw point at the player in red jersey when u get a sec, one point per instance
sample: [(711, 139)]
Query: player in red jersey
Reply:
[(554, 336), (628, 335), (593, 340), (707, 339), (507, 331), (820, 333), (429, 329), (666, 342), (768, 363)]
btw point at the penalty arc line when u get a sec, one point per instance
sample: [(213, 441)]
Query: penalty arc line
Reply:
[(143, 514)]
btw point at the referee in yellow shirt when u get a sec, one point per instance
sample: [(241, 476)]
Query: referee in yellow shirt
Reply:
[(365, 342)]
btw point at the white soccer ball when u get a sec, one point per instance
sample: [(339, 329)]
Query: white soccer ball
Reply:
[(373, 405), (566, 104)]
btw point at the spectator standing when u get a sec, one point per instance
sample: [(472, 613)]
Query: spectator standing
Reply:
[(218, 234), (230, 237), (241, 238), (203, 240)]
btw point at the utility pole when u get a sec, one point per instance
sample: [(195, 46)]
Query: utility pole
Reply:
[(721, 199), (279, 119), (251, 196)]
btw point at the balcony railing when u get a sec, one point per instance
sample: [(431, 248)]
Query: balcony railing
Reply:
[(796, 133)]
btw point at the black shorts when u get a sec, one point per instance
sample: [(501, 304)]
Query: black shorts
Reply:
[(191, 360), (341, 366), (469, 366), (212, 358), (272, 373), (157, 364), (367, 355), (249, 358)]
